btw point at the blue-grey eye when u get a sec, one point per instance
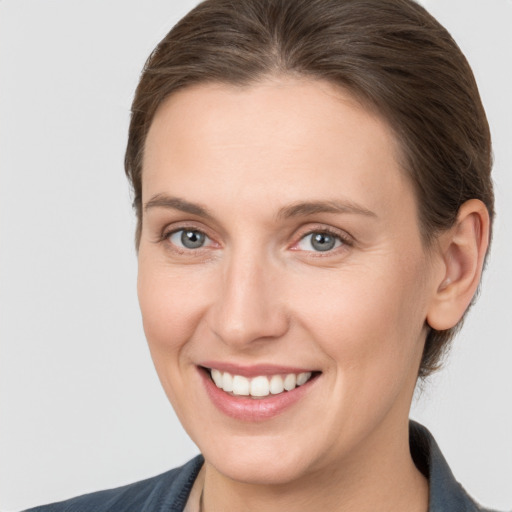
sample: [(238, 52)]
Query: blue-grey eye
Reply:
[(188, 238), (319, 241)]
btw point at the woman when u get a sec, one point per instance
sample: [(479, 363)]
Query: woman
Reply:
[(314, 204)]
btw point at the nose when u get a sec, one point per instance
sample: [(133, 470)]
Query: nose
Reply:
[(249, 307)]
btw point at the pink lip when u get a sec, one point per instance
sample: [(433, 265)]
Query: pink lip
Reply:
[(253, 409), (253, 370)]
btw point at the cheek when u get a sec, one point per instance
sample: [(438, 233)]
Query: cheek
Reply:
[(369, 319), (372, 328), (170, 306), (171, 311)]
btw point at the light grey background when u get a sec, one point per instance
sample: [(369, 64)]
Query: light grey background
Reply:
[(81, 407)]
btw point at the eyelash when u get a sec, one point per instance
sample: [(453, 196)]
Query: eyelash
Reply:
[(344, 239), (166, 235)]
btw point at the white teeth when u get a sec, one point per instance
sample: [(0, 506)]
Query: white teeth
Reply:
[(290, 381), (302, 378), (241, 385), (260, 386), (227, 382), (217, 377), (276, 384)]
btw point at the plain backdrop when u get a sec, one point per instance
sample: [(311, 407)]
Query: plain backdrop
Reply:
[(80, 404)]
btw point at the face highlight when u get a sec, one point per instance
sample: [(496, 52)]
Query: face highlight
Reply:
[(283, 282)]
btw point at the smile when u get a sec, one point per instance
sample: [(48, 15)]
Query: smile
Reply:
[(259, 386), (258, 392)]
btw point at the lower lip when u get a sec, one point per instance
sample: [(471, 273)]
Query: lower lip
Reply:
[(253, 409)]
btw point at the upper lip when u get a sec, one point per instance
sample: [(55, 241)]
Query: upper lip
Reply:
[(254, 370)]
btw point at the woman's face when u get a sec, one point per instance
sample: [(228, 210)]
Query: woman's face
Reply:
[(280, 237)]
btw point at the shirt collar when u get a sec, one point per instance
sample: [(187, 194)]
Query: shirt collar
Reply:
[(445, 492)]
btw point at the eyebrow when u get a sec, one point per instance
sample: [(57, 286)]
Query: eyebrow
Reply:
[(303, 209), (176, 203), (299, 209)]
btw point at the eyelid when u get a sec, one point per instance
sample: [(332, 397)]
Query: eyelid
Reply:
[(171, 237), (176, 227), (346, 239)]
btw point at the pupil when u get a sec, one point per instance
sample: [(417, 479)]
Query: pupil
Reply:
[(323, 242), (192, 239)]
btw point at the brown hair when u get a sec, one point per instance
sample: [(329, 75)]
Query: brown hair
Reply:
[(391, 54)]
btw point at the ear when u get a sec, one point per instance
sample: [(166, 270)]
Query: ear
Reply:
[(462, 251)]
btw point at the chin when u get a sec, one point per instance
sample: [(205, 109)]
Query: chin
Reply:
[(271, 464), (270, 472)]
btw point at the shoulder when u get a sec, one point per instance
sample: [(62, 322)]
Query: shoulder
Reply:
[(168, 491)]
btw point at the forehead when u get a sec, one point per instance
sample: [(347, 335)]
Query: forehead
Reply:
[(299, 134)]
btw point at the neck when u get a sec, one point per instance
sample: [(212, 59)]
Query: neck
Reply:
[(380, 476)]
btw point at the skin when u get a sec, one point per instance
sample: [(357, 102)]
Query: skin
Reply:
[(257, 292)]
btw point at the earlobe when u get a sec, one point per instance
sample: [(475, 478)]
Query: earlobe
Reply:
[(462, 251)]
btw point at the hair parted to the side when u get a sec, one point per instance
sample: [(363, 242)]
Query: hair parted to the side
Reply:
[(392, 55)]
